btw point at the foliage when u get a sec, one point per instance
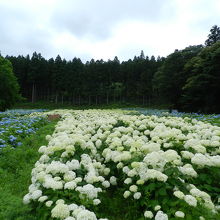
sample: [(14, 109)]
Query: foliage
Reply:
[(9, 88), (203, 73), (170, 77), (95, 82)]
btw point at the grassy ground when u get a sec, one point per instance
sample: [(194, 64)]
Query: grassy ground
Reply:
[(50, 105), (15, 173)]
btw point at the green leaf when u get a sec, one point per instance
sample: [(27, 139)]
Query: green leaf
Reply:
[(162, 192)]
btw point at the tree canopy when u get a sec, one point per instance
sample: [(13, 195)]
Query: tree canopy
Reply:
[(201, 91), (9, 88), (214, 36)]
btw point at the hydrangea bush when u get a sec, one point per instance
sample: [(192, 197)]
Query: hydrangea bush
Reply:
[(212, 118), (17, 124), (161, 167)]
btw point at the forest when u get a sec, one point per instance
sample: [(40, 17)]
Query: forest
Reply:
[(187, 80)]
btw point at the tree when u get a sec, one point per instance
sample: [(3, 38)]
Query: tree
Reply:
[(9, 89), (214, 36), (201, 91), (171, 77)]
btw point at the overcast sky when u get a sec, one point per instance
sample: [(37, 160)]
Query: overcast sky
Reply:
[(104, 28)]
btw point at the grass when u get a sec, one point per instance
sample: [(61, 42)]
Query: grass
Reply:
[(15, 172), (50, 105)]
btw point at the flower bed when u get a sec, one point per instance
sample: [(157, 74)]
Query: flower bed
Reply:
[(157, 167), (212, 118), (16, 124)]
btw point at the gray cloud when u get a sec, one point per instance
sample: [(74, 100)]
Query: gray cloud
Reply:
[(96, 19), (103, 28), (20, 32)]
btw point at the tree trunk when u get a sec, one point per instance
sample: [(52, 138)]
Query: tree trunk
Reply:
[(107, 99), (79, 100), (48, 95), (56, 98), (33, 93)]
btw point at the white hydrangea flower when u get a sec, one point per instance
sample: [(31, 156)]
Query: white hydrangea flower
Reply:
[(161, 216), (36, 194), (188, 170), (27, 199), (89, 190), (106, 171), (128, 181), (113, 180), (43, 198), (157, 207), (72, 207), (49, 203), (86, 215), (140, 182), (180, 214), (98, 143), (179, 194), (133, 188), (57, 167), (70, 218), (135, 164), (132, 173), (96, 201), (60, 211), (190, 200), (53, 184), (60, 201), (148, 214), (69, 176), (120, 165), (187, 154), (70, 185), (126, 194), (150, 147), (137, 195), (126, 169), (42, 149)]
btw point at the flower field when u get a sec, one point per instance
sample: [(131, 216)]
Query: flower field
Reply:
[(17, 124), (101, 164)]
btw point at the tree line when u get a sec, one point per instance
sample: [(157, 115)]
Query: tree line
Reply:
[(186, 80), (95, 82)]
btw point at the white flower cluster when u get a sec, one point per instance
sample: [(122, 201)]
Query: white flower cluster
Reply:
[(142, 147)]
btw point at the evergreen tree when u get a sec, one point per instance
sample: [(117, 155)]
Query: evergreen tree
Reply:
[(214, 36)]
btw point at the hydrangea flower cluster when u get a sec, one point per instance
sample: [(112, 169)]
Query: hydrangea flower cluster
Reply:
[(158, 159)]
